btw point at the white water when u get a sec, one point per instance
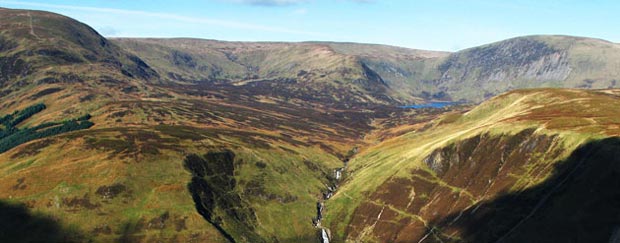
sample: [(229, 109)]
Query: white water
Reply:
[(324, 236), (320, 207), (338, 174)]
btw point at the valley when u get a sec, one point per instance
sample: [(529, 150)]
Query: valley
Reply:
[(191, 140)]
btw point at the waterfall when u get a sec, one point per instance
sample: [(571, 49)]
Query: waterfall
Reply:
[(324, 236), (334, 182)]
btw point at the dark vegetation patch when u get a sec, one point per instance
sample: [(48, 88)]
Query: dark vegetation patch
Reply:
[(213, 190), (110, 81), (48, 80), (160, 96), (120, 114), (139, 69), (33, 148), (373, 82), (311, 165), (18, 224), (12, 67), (158, 222), (60, 56), (130, 89), (7, 44), (20, 185), (111, 191), (255, 189), (44, 93), (117, 146), (179, 58), (55, 77), (130, 142), (12, 136), (77, 203), (261, 165), (86, 98)]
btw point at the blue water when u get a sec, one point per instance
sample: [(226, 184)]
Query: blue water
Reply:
[(439, 104)]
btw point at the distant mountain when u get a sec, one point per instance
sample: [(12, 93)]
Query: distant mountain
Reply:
[(385, 73), (528, 62), (326, 72)]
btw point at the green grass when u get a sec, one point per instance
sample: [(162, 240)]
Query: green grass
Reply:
[(397, 157)]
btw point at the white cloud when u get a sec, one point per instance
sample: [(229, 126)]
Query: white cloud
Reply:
[(269, 2), (169, 16), (276, 3)]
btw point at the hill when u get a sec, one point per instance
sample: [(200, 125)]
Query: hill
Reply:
[(187, 140), (530, 62), (386, 74), (160, 159), (510, 170), (324, 72)]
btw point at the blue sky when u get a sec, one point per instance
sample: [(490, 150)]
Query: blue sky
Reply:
[(447, 25)]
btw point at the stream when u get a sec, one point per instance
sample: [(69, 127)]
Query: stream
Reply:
[(335, 179)]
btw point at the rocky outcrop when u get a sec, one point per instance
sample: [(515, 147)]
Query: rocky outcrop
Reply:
[(502, 66), (213, 190)]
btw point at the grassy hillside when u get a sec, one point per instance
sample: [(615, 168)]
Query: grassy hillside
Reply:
[(419, 186), (52, 59), (168, 158)]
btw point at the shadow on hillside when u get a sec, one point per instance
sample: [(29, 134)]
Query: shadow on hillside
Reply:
[(18, 224), (580, 202)]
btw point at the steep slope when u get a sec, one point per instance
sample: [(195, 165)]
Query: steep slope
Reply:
[(529, 62), (403, 69), (48, 58), (509, 169)]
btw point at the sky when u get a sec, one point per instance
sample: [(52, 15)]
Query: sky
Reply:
[(445, 25)]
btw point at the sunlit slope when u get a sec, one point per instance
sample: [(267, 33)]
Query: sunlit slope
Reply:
[(52, 59), (131, 183), (402, 188), (402, 74), (126, 178), (309, 71)]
